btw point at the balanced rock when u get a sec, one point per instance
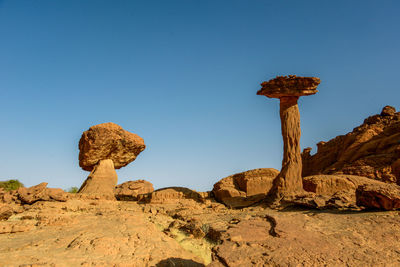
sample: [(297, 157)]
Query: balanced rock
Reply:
[(379, 196), (101, 181), (246, 188), (288, 89), (132, 189), (371, 150), (108, 141)]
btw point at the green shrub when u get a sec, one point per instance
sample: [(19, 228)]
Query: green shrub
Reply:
[(11, 185), (73, 189)]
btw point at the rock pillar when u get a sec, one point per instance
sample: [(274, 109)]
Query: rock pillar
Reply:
[(288, 89), (289, 180), (101, 182)]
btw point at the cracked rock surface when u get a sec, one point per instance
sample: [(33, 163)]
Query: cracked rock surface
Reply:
[(187, 232)]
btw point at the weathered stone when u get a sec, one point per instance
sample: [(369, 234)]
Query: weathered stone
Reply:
[(40, 192), (131, 189), (5, 211), (332, 184), (379, 196), (108, 141), (172, 195), (371, 150), (101, 182), (337, 191), (246, 188), (8, 196), (388, 111), (288, 90)]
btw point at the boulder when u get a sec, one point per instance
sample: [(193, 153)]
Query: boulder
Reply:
[(379, 196), (172, 195), (246, 188), (108, 141), (332, 191), (371, 150), (5, 211), (101, 182), (131, 189), (40, 192), (332, 184)]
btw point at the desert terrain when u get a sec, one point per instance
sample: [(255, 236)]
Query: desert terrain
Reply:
[(338, 207)]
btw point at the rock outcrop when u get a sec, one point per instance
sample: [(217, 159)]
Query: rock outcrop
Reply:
[(288, 90), (30, 195), (132, 189), (246, 188), (371, 150), (332, 191), (101, 181), (108, 141), (347, 192), (375, 196), (40, 192), (173, 195)]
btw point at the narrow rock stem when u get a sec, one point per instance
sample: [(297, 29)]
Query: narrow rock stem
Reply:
[(289, 180)]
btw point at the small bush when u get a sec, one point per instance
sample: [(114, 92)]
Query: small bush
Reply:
[(73, 189), (11, 185)]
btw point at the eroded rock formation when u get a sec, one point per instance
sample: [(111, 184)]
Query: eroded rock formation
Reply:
[(246, 188), (102, 149), (101, 181), (132, 189), (108, 141), (288, 90), (371, 150)]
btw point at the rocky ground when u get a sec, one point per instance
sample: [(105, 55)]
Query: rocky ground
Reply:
[(82, 232)]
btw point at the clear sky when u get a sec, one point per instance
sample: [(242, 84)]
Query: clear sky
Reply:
[(184, 76)]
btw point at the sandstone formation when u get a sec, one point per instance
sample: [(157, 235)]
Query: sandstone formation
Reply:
[(30, 195), (184, 230), (101, 182), (172, 195), (102, 149), (108, 141), (375, 196), (246, 188), (332, 184), (370, 150), (288, 90), (132, 189), (331, 191)]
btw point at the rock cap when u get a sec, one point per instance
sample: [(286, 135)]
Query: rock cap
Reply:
[(283, 86), (108, 141)]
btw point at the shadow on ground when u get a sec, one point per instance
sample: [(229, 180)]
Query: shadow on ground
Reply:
[(177, 262)]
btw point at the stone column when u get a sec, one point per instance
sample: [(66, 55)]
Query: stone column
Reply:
[(288, 89), (289, 180), (101, 182)]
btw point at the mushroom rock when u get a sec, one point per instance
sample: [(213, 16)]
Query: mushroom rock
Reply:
[(102, 149), (108, 141), (246, 188), (288, 89), (371, 150), (101, 181)]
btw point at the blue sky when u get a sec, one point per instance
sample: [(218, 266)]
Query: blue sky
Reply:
[(184, 76)]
